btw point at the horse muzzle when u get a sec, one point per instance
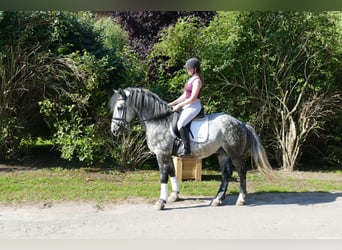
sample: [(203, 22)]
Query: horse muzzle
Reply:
[(118, 127)]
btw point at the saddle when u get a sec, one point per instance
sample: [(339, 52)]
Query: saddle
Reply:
[(201, 115), (197, 128)]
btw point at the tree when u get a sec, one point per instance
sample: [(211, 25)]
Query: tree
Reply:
[(144, 27), (212, 44), (275, 70), (23, 77), (57, 73), (287, 71)]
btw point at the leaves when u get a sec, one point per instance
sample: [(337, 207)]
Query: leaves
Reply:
[(277, 70), (263, 67), (58, 63)]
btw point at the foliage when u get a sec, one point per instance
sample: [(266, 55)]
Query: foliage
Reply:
[(116, 40), (78, 114), (130, 148), (274, 69), (59, 69), (144, 27), (279, 71), (144, 30), (24, 74), (211, 44), (287, 74), (178, 43), (111, 33)]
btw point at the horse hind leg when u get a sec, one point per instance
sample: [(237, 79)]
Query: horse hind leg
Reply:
[(242, 171), (226, 170), (174, 196)]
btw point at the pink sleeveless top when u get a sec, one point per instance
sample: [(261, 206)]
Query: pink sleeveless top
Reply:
[(188, 88)]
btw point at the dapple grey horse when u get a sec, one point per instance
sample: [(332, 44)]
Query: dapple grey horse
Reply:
[(228, 137)]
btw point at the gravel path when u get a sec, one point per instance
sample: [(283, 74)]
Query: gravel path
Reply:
[(267, 216)]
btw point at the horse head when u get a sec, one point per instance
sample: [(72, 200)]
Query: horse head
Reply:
[(122, 112)]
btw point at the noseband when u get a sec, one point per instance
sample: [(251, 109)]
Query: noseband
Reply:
[(121, 121)]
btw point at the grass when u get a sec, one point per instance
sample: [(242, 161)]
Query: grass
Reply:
[(74, 185), (102, 186)]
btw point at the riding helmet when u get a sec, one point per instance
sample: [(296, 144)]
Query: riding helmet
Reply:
[(192, 63)]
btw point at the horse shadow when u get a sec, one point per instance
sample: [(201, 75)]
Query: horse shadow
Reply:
[(286, 198), (265, 199)]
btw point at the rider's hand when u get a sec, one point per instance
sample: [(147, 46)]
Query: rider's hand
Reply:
[(176, 107)]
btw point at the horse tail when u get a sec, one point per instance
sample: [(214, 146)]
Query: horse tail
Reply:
[(258, 153)]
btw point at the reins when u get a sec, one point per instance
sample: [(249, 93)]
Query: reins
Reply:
[(158, 117)]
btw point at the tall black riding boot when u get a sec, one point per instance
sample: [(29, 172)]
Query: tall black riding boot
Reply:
[(184, 134)]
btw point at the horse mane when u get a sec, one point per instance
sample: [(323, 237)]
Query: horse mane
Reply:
[(148, 103)]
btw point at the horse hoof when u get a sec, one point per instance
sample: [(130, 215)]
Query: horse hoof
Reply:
[(216, 203), (241, 200), (159, 205), (173, 197), (240, 203)]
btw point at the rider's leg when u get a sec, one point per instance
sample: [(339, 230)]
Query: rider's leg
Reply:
[(188, 113), (184, 134)]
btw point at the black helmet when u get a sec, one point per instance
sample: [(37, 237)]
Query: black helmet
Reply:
[(192, 63)]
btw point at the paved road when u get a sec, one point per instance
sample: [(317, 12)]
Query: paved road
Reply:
[(267, 216)]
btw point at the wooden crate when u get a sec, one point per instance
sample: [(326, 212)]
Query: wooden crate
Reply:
[(188, 168)]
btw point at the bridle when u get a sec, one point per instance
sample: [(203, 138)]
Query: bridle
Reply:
[(122, 120), (157, 117)]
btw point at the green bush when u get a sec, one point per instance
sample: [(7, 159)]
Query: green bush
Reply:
[(260, 67), (130, 148), (177, 44), (80, 107), (213, 45), (57, 72)]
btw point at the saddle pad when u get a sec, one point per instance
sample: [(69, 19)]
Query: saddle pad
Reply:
[(199, 130)]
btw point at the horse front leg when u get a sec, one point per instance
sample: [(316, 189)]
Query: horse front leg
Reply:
[(166, 168), (226, 171), (174, 196)]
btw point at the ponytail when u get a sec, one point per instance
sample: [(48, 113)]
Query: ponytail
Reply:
[(199, 72)]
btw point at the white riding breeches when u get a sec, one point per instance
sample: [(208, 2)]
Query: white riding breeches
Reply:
[(190, 111)]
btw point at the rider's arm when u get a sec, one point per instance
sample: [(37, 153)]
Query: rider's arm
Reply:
[(196, 87), (178, 100)]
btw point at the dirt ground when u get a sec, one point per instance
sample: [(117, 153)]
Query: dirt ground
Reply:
[(315, 215)]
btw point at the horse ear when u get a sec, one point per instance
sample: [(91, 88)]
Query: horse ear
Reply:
[(123, 94)]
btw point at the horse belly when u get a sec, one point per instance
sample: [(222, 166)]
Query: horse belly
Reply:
[(210, 147)]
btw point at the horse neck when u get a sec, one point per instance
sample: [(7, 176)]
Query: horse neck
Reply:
[(159, 128)]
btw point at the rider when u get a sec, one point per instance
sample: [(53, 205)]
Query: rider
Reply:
[(189, 101)]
